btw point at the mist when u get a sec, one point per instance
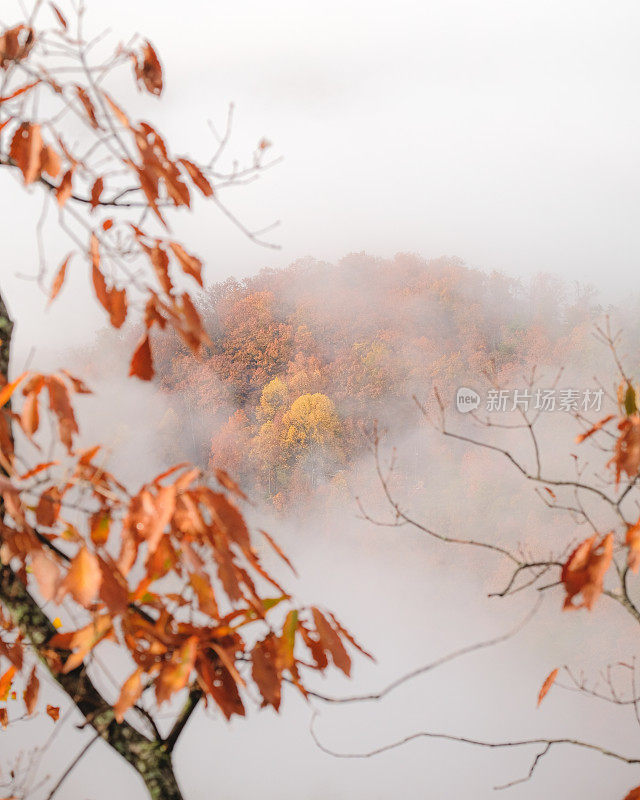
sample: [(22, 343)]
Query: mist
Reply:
[(458, 189)]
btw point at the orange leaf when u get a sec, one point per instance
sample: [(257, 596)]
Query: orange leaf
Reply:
[(548, 683), (266, 670), (47, 574), (142, 362), (594, 429), (25, 149), (330, 640), (148, 70), (30, 694), (58, 281), (119, 113), (626, 456), (4, 720), (130, 692), (19, 91), (59, 15), (53, 712), (88, 106), (633, 543), (9, 389), (84, 577), (48, 507), (584, 571), (82, 641), (279, 551), (175, 673), (96, 191), (195, 173), (65, 190), (190, 264), (5, 683), (50, 161)]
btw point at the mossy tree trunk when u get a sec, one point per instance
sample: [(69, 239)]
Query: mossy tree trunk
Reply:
[(150, 757)]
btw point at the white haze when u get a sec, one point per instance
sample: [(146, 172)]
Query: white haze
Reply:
[(502, 132)]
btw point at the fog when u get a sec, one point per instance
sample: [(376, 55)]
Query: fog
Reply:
[(503, 133)]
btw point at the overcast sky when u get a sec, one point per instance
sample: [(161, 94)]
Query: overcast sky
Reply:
[(504, 131)]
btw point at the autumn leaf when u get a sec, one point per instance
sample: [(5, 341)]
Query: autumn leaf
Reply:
[(7, 391), (175, 673), (82, 641), (5, 683), (266, 670), (18, 92), (25, 151), (47, 574), (84, 577), (196, 175), (96, 191), (288, 638), (129, 694), (190, 264), (330, 640), (65, 189), (584, 571), (59, 15), (30, 694), (53, 712), (598, 426), (88, 106), (634, 794), (626, 456), (50, 161), (141, 362), (48, 507), (205, 594), (548, 683), (118, 112), (4, 718), (58, 281), (229, 484), (276, 547), (148, 70), (633, 543)]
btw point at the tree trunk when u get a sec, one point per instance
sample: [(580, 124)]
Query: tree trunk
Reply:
[(151, 758)]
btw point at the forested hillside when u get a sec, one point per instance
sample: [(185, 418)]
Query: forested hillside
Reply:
[(303, 360)]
